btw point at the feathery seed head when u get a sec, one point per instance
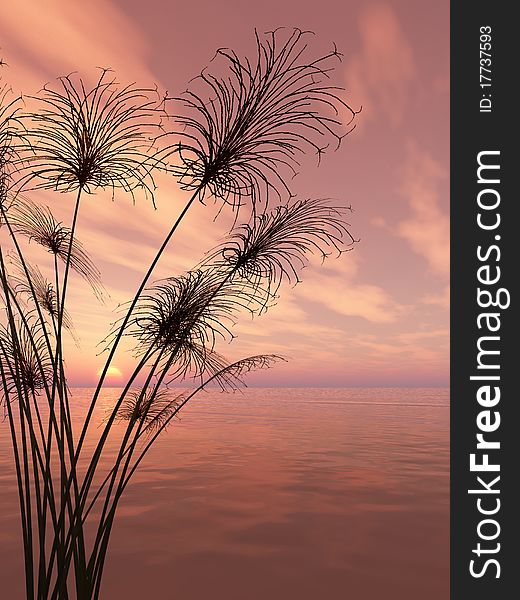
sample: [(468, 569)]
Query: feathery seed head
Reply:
[(25, 361), (90, 138), (273, 246), (37, 223), (243, 129)]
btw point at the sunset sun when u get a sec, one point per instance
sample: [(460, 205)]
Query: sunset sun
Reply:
[(112, 373)]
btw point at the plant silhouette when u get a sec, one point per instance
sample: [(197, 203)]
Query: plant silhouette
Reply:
[(235, 137)]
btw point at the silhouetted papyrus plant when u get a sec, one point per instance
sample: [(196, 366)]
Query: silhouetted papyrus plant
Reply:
[(239, 134), (245, 125), (37, 224), (90, 138)]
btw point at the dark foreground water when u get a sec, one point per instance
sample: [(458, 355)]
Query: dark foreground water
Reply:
[(278, 494)]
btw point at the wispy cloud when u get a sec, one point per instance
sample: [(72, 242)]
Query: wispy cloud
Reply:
[(348, 319), (379, 75), (45, 39), (426, 229), (441, 298), (336, 286)]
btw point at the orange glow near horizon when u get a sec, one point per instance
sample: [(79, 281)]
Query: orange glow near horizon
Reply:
[(112, 373)]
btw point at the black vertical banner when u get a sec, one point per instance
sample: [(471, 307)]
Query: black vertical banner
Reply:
[(485, 257)]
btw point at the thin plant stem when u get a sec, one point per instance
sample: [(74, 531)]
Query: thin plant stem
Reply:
[(125, 322), (105, 527), (18, 469), (128, 432), (97, 453), (98, 450), (65, 421)]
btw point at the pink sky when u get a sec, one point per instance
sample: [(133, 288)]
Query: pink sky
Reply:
[(379, 315)]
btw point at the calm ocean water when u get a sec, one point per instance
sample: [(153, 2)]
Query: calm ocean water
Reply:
[(278, 494)]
